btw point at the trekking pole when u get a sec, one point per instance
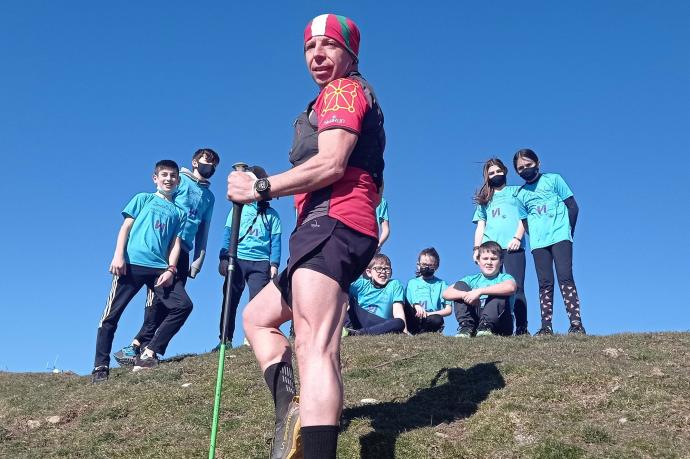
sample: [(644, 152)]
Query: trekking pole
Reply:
[(227, 300)]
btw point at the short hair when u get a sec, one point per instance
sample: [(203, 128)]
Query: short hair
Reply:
[(430, 252), (491, 247), (166, 164), (207, 154), (379, 257)]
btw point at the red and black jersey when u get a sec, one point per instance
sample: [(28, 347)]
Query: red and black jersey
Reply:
[(346, 103)]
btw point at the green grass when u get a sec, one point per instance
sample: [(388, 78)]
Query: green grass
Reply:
[(438, 397)]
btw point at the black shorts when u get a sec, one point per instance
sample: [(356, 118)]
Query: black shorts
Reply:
[(327, 246)]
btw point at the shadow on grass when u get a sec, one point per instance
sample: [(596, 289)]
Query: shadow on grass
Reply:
[(458, 398)]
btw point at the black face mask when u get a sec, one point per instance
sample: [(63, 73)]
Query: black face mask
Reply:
[(530, 173), (426, 271), (206, 170), (497, 180)]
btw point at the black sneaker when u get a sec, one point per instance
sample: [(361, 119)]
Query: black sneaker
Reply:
[(545, 330), (465, 331), (144, 362), (287, 441), (576, 328), (100, 374), (521, 331), (484, 329), (125, 356)]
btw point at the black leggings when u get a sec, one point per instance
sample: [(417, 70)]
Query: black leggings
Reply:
[(559, 254), (514, 264)]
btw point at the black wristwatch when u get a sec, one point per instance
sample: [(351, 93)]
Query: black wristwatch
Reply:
[(263, 188)]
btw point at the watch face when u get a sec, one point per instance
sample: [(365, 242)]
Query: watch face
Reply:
[(262, 185)]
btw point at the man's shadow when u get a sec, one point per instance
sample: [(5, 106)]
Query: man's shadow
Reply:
[(453, 400)]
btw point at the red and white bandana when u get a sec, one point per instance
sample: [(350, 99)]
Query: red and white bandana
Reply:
[(339, 28)]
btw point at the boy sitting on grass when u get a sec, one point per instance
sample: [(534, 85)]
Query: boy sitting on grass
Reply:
[(376, 302), (146, 253), (485, 298)]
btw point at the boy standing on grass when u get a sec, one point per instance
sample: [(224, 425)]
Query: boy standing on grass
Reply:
[(195, 198), (485, 298), (146, 253)]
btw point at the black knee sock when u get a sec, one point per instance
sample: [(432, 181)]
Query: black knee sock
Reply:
[(281, 382), (320, 442)]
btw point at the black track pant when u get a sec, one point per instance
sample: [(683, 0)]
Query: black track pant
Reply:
[(255, 274), (155, 311), (415, 325), (371, 324), (514, 264), (561, 255), (495, 313), (124, 288)]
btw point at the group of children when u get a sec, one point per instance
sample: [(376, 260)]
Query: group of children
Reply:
[(492, 301), (161, 229)]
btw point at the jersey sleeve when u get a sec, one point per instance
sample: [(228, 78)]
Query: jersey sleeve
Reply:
[(479, 214), (341, 105), (134, 206), (506, 277), (398, 292), (382, 211), (561, 188)]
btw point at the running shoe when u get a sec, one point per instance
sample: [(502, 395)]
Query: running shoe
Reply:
[(144, 362), (100, 374), (545, 330), (484, 329), (576, 328), (287, 442), (125, 356), (465, 331), (521, 331)]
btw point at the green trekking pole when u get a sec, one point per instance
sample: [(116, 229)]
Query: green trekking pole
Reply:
[(232, 253)]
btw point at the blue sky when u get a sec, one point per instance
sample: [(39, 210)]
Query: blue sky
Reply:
[(93, 94)]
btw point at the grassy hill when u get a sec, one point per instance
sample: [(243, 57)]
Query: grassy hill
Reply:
[(620, 396)]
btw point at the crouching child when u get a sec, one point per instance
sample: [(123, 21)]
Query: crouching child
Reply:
[(484, 301)]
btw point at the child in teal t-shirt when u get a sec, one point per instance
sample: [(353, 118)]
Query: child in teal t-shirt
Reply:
[(425, 308), (146, 253), (498, 217), (551, 217), (376, 302), (484, 301), (383, 220)]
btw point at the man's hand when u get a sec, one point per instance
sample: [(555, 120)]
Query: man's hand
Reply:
[(118, 266), (165, 279), (513, 245), (241, 187), (274, 271), (223, 266), (419, 311)]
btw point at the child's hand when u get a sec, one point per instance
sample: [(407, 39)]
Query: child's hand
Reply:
[(165, 279), (274, 271), (118, 266), (419, 311), (472, 296), (513, 245)]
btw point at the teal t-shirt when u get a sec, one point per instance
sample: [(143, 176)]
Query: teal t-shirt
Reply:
[(261, 242), (427, 293), (157, 222), (479, 280), (501, 215), (547, 215), (382, 211), (378, 301), (197, 200)]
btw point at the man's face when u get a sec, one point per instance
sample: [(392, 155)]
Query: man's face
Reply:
[(380, 273), (166, 179), (489, 264), (326, 59)]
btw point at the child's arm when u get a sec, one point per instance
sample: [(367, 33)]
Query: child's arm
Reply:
[(573, 210), (453, 294), (399, 313), (119, 266), (385, 232), (166, 279), (514, 243), (478, 236), (505, 288), (441, 312)]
